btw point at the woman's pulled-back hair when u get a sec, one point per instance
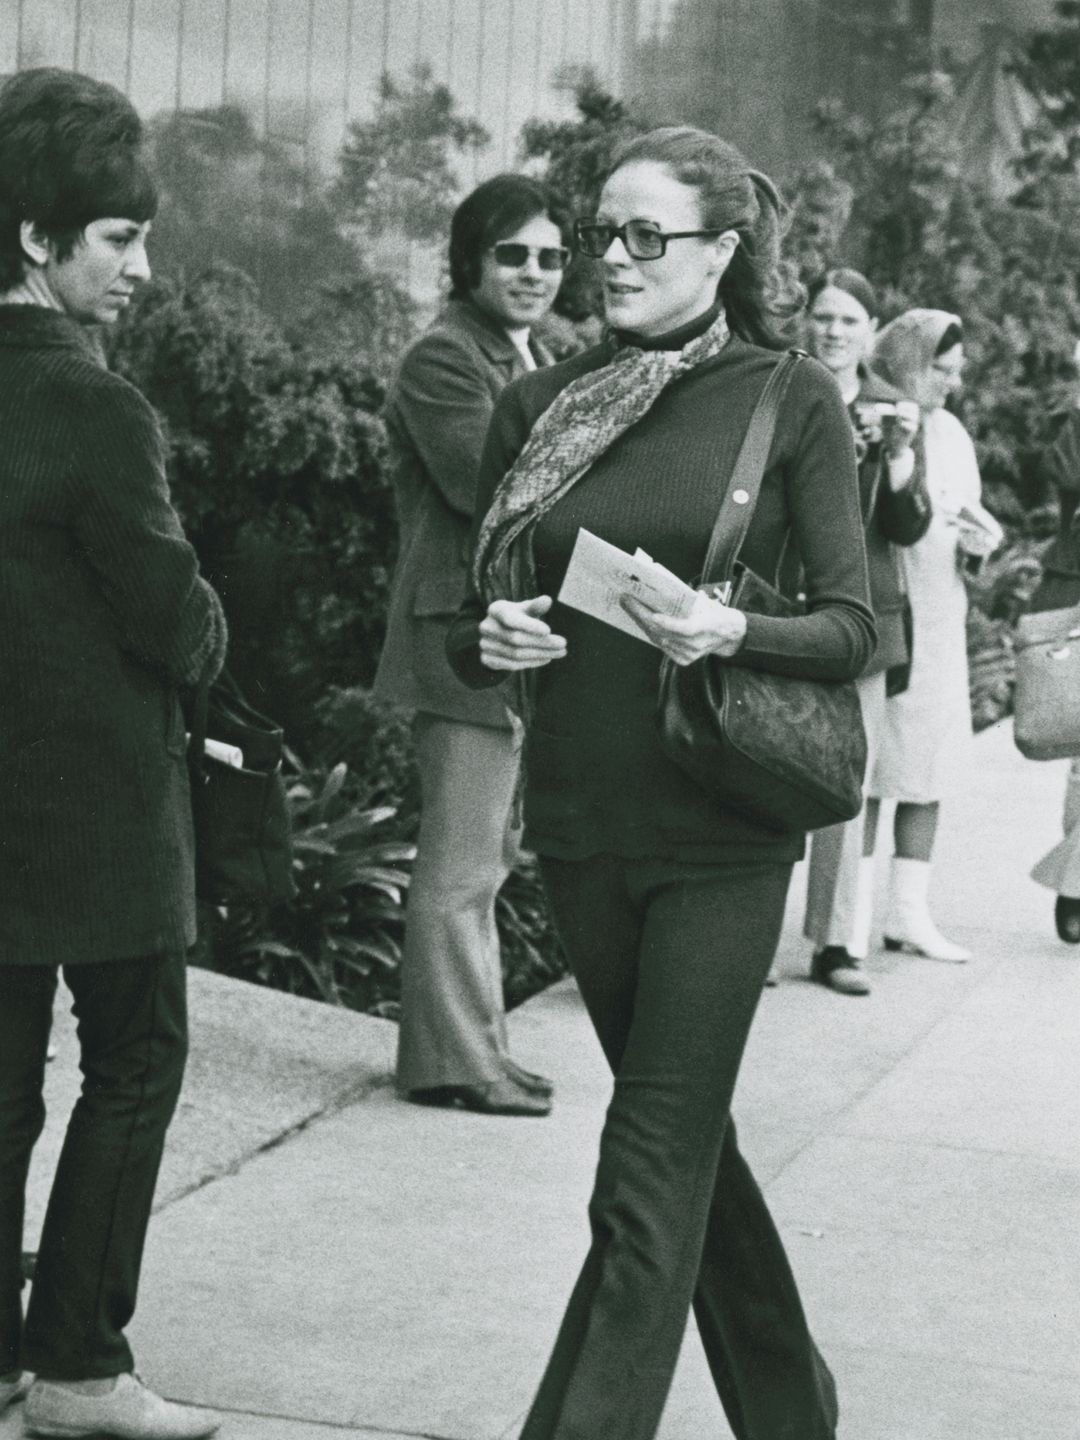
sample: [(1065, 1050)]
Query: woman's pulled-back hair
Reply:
[(70, 152), (851, 282), (760, 291), (492, 212)]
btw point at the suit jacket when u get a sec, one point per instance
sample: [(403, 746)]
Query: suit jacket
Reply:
[(437, 417), (103, 616)]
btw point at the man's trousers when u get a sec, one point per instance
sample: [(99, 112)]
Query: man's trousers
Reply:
[(453, 1024)]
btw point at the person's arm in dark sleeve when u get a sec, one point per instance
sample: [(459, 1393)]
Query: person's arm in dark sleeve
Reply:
[(506, 436), (1063, 458), (167, 617), (902, 512), (444, 405), (835, 639), (1063, 469)]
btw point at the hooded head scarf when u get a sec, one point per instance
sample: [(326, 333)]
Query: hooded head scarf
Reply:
[(909, 344)]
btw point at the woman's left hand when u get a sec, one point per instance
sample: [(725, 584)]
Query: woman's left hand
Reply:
[(710, 629), (898, 430)]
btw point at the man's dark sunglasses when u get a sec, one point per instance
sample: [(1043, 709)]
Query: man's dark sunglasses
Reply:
[(512, 256), (642, 240)]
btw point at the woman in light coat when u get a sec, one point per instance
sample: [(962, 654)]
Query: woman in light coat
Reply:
[(928, 727)]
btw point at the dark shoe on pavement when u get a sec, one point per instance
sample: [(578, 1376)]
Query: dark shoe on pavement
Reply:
[(1067, 919), (528, 1079), (840, 971), (129, 1411), (497, 1097)]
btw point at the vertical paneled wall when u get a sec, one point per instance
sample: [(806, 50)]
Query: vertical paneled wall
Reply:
[(303, 67)]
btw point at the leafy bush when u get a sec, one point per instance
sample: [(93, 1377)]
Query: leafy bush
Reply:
[(212, 166), (893, 201), (375, 741), (277, 466), (396, 170), (339, 940)]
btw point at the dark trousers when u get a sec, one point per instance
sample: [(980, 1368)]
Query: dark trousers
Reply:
[(671, 959), (132, 1027)]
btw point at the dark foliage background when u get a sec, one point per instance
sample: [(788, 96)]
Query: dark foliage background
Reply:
[(267, 347)]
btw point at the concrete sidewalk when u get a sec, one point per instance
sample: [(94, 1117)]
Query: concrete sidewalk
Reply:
[(328, 1260)]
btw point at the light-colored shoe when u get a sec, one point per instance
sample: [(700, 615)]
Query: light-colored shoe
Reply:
[(129, 1411), (12, 1390), (909, 926)]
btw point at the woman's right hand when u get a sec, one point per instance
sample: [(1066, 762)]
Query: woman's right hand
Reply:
[(513, 636)]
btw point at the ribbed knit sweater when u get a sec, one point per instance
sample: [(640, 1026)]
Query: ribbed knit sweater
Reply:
[(597, 780), (103, 616)]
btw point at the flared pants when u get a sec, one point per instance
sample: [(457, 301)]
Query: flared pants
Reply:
[(671, 959)]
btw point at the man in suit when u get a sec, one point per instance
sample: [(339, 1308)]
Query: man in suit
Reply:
[(506, 263)]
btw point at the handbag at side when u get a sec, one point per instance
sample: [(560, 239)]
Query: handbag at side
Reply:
[(242, 836), (1046, 700), (787, 752)]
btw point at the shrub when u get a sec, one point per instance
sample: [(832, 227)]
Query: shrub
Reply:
[(339, 940), (276, 459), (893, 200), (375, 741)]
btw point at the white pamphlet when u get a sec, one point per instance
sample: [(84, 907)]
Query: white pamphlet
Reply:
[(600, 576)]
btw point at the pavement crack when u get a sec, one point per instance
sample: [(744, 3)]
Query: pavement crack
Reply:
[(351, 1095)]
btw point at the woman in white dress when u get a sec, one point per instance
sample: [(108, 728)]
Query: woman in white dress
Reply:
[(928, 727)]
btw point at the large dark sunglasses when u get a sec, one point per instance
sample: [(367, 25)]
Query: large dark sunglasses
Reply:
[(512, 256), (642, 240)]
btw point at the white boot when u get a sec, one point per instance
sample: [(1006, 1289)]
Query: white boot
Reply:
[(858, 946), (909, 926)]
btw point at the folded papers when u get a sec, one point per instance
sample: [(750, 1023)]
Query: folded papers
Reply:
[(600, 576)]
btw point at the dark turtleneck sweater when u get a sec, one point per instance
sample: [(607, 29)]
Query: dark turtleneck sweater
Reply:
[(597, 780)]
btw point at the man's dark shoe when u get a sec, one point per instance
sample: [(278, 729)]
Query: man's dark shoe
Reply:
[(840, 971), (497, 1097), (1067, 919)]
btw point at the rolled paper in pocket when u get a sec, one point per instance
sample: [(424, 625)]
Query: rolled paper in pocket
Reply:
[(227, 754)]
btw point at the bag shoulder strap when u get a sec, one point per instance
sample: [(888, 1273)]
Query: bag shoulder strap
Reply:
[(738, 505)]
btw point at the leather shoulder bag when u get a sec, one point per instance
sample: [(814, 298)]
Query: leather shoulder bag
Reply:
[(243, 844), (1046, 700), (788, 753)]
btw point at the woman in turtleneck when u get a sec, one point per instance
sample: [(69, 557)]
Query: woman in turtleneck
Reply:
[(669, 905)]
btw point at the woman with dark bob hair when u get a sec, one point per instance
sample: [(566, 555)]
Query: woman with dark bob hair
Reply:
[(105, 619), (669, 904)]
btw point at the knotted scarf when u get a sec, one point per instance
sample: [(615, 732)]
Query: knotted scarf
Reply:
[(581, 423)]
